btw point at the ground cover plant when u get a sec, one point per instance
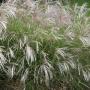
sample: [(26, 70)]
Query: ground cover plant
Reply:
[(41, 51)]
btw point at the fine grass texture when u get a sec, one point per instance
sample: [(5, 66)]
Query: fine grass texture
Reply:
[(45, 53)]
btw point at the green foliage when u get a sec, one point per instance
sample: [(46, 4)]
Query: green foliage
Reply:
[(41, 57)]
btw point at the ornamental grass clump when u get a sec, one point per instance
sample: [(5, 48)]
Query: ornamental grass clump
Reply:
[(50, 57)]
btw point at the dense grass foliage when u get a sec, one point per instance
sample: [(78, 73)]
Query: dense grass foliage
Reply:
[(38, 54), (80, 2)]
